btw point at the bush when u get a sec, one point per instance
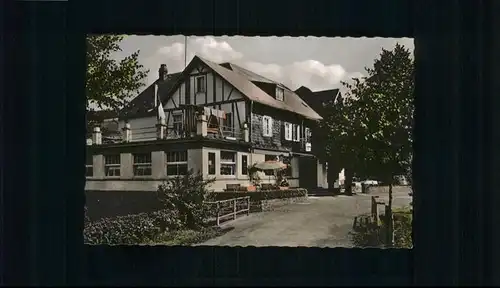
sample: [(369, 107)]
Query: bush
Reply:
[(131, 229), (368, 234), (187, 196), (189, 237), (262, 195), (403, 229)]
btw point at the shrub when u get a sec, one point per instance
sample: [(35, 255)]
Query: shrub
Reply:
[(368, 234), (130, 229), (186, 195), (86, 218), (262, 195), (403, 229)]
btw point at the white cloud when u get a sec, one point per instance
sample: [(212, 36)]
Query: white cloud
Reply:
[(309, 73)]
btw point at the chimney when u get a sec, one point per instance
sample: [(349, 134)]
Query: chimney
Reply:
[(163, 72), (97, 136)]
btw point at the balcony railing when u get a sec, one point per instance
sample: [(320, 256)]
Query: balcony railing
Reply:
[(194, 123), (224, 132)]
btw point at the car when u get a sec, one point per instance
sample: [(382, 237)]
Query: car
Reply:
[(370, 182)]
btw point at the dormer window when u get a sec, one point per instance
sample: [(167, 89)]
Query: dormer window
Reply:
[(279, 93), (200, 84)]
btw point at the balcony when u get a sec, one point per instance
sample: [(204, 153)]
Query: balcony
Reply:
[(188, 122), (304, 145)]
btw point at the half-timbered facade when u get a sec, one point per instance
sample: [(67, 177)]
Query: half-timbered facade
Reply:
[(215, 118)]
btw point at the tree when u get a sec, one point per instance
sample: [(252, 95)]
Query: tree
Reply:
[(369, 130), (385, 109), (343, 134), (110, 84)]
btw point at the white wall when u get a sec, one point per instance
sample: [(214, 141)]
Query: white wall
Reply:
[(142, 128), (197, 160)]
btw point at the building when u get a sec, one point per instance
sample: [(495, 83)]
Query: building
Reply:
[(318, 101), (216, 118)]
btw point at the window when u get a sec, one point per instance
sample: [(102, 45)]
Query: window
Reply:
[(296, 134), (228, 121), (267, 126), (307, 135), (89, 166), (211, 163), (142, 164), (279, 94), (270, 158), (244, 165), (112, 165), (177, 163), (177, 120), (227, 163), (200, 84), (288, 131)]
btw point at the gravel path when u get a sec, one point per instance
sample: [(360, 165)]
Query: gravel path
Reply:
[(316, 222)]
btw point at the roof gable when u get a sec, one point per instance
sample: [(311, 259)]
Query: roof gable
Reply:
[(242, 80)]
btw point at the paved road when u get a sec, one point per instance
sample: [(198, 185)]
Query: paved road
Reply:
[(316, 222)]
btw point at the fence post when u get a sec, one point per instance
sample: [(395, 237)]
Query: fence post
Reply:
[(375, 209), (389, 223), (218, 214), (248, 205), (234, 206)]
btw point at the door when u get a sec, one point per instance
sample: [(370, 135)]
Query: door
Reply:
[(308, 177)]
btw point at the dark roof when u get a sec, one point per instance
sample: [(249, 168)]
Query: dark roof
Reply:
[(242, 79), (316, 99), (144, 102), (254, 77)]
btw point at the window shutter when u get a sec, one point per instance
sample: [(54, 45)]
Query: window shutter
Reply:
[(288, 131), (307, 134), (270, 130), (264, 126), (298, 133), (267, 126)]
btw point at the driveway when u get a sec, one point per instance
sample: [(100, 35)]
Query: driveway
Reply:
[(315, 222)]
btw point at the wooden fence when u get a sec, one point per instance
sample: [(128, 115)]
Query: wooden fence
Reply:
[(230, 208)]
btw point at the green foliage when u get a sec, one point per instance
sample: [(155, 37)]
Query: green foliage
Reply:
[(403, 229), (369, 234), (369, 130), (130, 229), (262, 195), (366, 233), (110, 83), (187, 195), (188, 237)]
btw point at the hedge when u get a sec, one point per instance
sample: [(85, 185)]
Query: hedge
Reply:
[(262, 195), (130, 229)]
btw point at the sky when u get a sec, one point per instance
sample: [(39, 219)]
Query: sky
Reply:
[(318, 63)]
